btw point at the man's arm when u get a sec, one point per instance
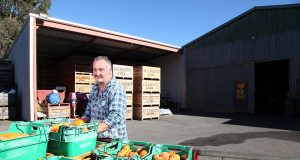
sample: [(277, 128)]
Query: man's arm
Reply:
[(102, 127)]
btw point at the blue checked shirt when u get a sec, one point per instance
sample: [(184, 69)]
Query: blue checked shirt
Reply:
[(108, 107)]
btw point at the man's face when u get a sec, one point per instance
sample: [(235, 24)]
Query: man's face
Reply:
[(102, 71)]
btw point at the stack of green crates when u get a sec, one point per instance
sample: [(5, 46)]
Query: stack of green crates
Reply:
[(30, 147), (71, 140), (110, 150)]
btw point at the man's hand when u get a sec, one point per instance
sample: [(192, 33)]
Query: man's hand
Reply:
[(102, 127), (85, 120)]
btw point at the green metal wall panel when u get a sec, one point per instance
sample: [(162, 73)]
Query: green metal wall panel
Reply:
[(256, 23)]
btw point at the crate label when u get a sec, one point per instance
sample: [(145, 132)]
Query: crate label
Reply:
[(82, 78), (126, 84), (151, 86), (151, 72), (123, 71)]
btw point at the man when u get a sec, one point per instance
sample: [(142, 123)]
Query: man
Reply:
[(107, 102)]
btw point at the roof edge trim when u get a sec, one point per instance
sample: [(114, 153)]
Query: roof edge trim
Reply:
[(46, 18)]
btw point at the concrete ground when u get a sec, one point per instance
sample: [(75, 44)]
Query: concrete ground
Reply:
[(221, 135)]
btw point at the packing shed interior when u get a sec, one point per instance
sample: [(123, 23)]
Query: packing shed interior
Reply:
[(44, 53)]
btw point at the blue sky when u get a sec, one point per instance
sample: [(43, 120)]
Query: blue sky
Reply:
[(174, 22)]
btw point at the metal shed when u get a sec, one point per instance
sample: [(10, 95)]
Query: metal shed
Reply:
[(46, 40), (249, 64)]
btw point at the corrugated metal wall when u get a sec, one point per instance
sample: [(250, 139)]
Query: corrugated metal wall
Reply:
[(173, 81), (213, 67), (20, 57), (258, 22)]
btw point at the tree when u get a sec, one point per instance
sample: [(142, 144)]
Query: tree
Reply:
[(13, 14)]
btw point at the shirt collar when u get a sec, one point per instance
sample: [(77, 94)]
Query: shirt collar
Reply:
[(110, 83)]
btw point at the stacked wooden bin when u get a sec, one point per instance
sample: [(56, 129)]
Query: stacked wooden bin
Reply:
[(7, 100), (77, 74), (124, 75), (146, 97)]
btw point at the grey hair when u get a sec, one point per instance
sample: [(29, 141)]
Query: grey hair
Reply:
[(105, 58)]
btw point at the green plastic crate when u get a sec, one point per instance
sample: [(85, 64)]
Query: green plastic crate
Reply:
[(178, 149), (51, 121), (110, 150), (31, 147), (72, 141)]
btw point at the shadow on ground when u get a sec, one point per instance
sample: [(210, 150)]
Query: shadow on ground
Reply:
[(254, 120), (237, 138)]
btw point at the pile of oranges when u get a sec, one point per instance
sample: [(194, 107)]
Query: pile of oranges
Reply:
[(77, 122), (127, 152), (11, 135), (171, 155), (55, 127)]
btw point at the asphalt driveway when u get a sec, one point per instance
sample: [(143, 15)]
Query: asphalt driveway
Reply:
[(230, 135)]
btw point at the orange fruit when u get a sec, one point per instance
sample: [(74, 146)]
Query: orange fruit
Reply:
[(175, 157), (126, 147), (155, 157), (143, 153), (78, 122), (171, 153), (121, 154), (55, 128), (165, 155)]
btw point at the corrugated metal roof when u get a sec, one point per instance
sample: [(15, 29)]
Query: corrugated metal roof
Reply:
[(247, 13)]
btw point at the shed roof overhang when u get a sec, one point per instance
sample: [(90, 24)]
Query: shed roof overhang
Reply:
[(59, 39)]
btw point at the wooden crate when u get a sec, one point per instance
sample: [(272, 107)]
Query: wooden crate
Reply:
[(82, 77), (146, 99), (8, 112), (141, 113), (129, 98), (149, 86), (123, 71), (146, 72), (83, 88), (129, 113), (57, 111), (127, 84)]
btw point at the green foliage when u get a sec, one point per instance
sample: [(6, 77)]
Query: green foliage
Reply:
[(13, 14)]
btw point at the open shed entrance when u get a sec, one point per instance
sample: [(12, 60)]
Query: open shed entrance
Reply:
[(271, 86)]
